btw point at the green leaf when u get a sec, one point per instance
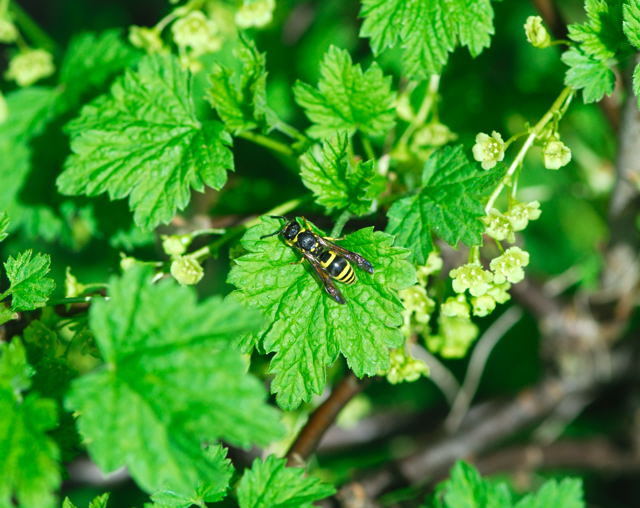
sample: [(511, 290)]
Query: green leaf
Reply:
[(171, 382), (449, 204), (91, 61), (4, 224), (30, 109), (466, 488), (631, 23), (601, 36), (143, 140), (588, 74), (270, 484), (240, 97), (305, 328), (564, 494), (29, 286), (427, 30), (97, 502), (337, 182), (347, 98), (29, 470)]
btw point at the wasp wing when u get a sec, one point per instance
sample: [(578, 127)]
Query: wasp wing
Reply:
[(351, 256), (325, 278)]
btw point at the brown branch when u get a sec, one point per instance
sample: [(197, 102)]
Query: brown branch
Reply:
[(322, 418), (596, 454), (485, 427)]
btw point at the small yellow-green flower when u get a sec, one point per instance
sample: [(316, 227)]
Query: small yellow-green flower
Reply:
[(197, 32), (405, 368), (536, 32), (520, 214), (454, 337), (433, 134), (255, 13), (455, 306), (417, 302), (483, 305), (556, 154), (508, 266), (29, 66), (472, 277), (488, 150), (499, 226), (500, 292)]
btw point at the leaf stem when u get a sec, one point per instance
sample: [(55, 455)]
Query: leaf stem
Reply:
[(267, 142), (291, 131), (559, 106), (36, 34), (343, 218), (368, 149), (423, 112)]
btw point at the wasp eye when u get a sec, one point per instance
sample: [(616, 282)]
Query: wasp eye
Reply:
[(291, 230)]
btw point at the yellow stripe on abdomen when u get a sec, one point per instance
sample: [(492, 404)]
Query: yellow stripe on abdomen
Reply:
[(329, 260), (345, 274)]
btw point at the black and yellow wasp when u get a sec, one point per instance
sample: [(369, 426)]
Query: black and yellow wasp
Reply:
[(329, 261)]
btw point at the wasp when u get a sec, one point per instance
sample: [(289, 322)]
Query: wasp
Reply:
[(329, 261)]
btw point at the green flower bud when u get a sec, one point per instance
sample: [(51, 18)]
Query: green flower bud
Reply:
[(198, 32), (8, 31), (472, 277), (500, 292), (433, 265), (483, 305), (175, 245), (146, 38), (405, 368), (536, 32), (499, 226), (29, 66), (404, 109), (489, 150), (186, 270), (255, 13), (455, 306), (433, 134), (520, 214), (4, 109), (508, 266), (455, 335), (72, 287), (556, 154), (127, 262)]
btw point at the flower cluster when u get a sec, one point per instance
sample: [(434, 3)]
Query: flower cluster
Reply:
[(499, 226), (502, 227), (536, 33), (196, 32), (29, 66), (520, 214), (489, 150), (455, 335), (256, 13), (405, 368), (472, 277)]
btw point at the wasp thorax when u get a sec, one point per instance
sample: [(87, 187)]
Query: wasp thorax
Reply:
[(307, 240)]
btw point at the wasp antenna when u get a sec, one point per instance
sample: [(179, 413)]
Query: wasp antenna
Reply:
[(278, 217), (270, 234)]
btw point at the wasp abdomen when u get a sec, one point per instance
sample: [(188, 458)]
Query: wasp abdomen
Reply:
[(337, 266)]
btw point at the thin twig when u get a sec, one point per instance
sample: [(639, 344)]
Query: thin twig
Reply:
[(438, 373), (479, 357), (322, 418)]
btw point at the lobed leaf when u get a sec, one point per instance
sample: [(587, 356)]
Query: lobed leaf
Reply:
[(144, 141), (449, 203), (29, 286), (240, 97), (270, 484), (427, 30), (337, 182), (29, 471), (347, 98), (586, 73), (171, 382), (305, 328)]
